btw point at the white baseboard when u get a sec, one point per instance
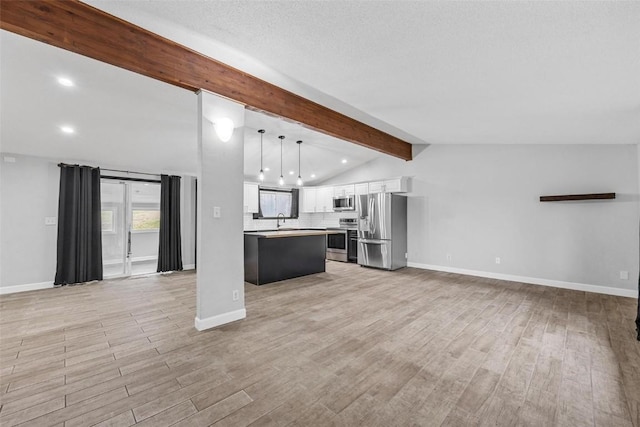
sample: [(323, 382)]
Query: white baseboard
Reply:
[(630, 293), (189, 267), (220, 319), (24, 288)]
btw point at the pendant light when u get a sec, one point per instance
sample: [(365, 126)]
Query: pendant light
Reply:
[(261, 174), (299, 181), (281, 180)]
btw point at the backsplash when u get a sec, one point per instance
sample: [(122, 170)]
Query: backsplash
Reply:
[(329, 219)]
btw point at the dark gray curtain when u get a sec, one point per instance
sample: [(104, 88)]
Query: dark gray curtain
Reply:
[(79, 257), (295, 202), (170, 247)]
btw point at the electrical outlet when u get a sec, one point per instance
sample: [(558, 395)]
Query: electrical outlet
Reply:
[(449, 257), (406, 255), (216, 211), (624, 275), (50, 220), (236, 295), (498, 260)]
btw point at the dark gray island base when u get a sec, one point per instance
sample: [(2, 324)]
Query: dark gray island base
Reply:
[(279, 255)]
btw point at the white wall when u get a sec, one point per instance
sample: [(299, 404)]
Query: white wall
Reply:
[(29, 194), (479, 202), (30, 189), (220, 254)]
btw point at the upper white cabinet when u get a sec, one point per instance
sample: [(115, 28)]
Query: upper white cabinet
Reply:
[(308, 195), (362, 188), (343, 190), (320, 199), (324, 199), (395, 185), (251, 196)]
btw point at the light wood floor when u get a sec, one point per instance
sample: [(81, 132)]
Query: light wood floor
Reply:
[(349, 347)]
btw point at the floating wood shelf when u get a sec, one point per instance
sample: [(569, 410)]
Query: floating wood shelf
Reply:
[(594, 196)]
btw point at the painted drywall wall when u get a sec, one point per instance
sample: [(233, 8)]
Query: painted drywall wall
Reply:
[(220, 241), (479, 202), (29, 194), (30, 187)]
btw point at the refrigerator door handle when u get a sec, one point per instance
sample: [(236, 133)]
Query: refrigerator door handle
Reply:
[(372, 224), (372, 242)]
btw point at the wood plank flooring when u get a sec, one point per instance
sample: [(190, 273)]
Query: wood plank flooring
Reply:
[(352, 346)]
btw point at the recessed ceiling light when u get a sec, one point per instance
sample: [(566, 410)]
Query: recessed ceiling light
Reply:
[(344, 161), (313, 175), (290, 172), (67, 129), (267, 169), (64, 81)]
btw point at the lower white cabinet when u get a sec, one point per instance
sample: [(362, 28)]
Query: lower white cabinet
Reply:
[(251, 197)]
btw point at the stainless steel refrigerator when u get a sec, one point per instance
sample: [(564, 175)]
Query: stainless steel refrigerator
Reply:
[(382, 230)]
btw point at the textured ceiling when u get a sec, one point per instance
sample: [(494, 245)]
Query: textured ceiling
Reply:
[(443, 72), (130, 121)]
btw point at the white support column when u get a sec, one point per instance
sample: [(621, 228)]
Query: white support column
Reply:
[(220, 241)]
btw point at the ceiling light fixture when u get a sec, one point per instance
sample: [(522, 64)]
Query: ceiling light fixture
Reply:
[(281, 180), (67, 129), (299, 181), (313, 175), (224, 128), (267, 169), (64, 81), (261, 175), (344, 161), (291, 172)]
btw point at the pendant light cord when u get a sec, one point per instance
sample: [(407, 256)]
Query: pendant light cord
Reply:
[(299, 143), (281, 138)]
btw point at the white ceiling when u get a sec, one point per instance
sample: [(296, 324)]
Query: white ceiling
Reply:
[(441, 72), (130, 121), (428, 72)]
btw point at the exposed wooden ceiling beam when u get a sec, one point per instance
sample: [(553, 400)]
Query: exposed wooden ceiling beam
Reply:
[(88, 31)]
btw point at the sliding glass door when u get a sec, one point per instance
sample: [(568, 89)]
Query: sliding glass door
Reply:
[(130, 227), (145, 227), (115, 245)]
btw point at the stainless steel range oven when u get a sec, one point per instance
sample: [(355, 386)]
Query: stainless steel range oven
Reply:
[(337, 245), (342, 242)]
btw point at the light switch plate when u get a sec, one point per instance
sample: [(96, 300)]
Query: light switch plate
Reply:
[(624, 275), (50, 220), (216, 211)]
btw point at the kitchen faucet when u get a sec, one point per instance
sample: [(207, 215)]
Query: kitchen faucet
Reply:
[(284, 219)]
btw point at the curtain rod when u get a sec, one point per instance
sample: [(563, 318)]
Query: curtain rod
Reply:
[(137, 173), (64, 165), (126, 178)]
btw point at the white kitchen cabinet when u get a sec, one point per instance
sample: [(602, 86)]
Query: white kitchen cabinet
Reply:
[(324, 199), (362, 188), (308, 199), (376, 187), (343, 190), (251, 197), (394, 185)]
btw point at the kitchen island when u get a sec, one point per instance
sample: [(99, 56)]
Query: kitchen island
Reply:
[(271, 256)]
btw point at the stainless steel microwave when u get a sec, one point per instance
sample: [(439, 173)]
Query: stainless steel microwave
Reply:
[(344, 203)]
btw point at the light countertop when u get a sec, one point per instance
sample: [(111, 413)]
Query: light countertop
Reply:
[(287, 233)]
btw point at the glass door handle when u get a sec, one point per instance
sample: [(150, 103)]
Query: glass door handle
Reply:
[(129, 244)]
